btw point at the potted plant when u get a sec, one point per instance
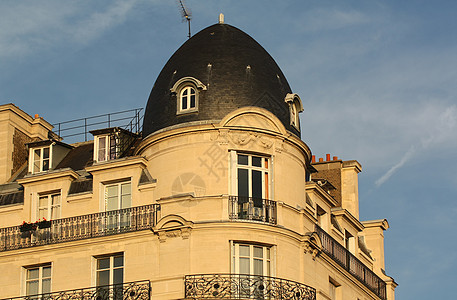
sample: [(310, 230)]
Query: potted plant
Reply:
[(25, 227), (44, 224)]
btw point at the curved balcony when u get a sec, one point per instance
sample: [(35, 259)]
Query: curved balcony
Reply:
[(254, 209), (240, 286)]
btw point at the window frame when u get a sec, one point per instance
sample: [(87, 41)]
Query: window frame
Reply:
[(108, 153), (49, 207), (119, 195), (41, 277), (295, 107), (268, 258), (111, 268), (33, 161)]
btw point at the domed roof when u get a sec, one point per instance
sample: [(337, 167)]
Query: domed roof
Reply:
[(228, 69)]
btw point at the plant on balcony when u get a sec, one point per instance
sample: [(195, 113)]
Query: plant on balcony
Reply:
[(43, 224), (26, 227)]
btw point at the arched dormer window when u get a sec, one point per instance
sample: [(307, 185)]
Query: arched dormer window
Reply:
[(295, 107), (187, 90)]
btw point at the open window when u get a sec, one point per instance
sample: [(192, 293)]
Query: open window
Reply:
[(46, 155), (112, 143)]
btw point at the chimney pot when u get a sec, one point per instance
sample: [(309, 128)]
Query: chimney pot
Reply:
[(335, 158), (328, 157), (321, 159), (37, 116), (313, 159)]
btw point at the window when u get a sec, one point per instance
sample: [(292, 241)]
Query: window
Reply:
[(106, 148), (334, 289), (187, 99), (49, 206), (110, 276), (110, 270), (349, 241), (40, 159), (118, 197), (38, 280), (251, 176), (251, 259)]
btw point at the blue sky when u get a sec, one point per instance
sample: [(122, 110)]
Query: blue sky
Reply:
[(377, 80)]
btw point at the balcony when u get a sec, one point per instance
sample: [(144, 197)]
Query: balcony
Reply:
[(237, 286), (352, 264), (139, 290), (255, 209), (80, 227)]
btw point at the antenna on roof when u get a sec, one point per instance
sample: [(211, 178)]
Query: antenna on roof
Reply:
[(186, 14)]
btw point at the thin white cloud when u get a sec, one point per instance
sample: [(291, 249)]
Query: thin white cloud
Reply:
[(33, 26), (408, 155)]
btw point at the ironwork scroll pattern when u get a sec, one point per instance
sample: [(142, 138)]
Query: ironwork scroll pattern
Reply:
[(139, 290), (238, 286), (81, 227)]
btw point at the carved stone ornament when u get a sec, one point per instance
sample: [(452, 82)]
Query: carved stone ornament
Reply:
[(173, 226), (312, 244), (245, 138)]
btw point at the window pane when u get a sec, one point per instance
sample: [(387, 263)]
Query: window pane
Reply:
[(43, 213), (118, 261), (192, 101), (257, 184), (46, 271), (244, 265), (101, 148), (103, 263), (45, 164), (184, 93), (256, 161), (243, 189), (46, 287), (36, 160), (103, 278), (258, 267), (43, 201), (55, 199), (244, 250), (55, 213), (184, 102), (32, 287), (45, 153), (33, 273), (118, 276), (242, 159), (258, 252)]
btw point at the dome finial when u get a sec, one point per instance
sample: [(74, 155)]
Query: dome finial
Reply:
[(221, 18)]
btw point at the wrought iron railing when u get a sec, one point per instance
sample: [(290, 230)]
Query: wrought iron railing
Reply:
[(74, 130), (247, 208), (80, 227), (139, 290), (351, 263), (239, 286)]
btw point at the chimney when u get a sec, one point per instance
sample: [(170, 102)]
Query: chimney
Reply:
[(328, 157), (321, 159), (335, 158), (313, 160), (37, 116)]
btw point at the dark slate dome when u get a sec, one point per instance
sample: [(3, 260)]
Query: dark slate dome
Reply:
[(235, 71)]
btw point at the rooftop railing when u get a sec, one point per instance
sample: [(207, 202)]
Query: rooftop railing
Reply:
[(76, 130), (255, 209), (352, 264), (79, 227), (139, 290), (239, 286)]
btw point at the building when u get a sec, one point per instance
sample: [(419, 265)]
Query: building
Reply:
[(216, 197)]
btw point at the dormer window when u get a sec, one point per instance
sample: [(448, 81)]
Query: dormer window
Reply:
[(106, 148), (46, 155), (187, 91), (112, 143), (41, 159), (295, 107)]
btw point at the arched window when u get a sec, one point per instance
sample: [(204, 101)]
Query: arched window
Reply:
[(295, 107), (187, 99), (187, 90)]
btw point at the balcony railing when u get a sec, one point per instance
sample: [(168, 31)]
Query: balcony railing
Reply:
[(80, 227), (351, 263), (238, 286), (247, 208), (139, 290)]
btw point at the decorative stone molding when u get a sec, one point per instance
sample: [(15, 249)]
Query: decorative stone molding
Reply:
[(173, 226), (312, 244)]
